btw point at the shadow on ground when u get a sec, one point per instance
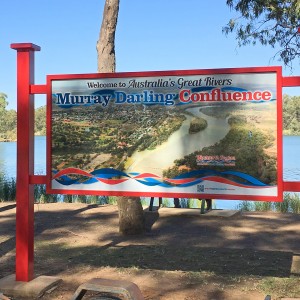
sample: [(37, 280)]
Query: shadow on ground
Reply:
[(245, 245)]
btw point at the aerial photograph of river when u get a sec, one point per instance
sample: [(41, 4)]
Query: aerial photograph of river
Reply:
[(179, 144)]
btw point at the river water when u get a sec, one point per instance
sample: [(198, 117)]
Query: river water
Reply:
[(291, 162), (8, 154)]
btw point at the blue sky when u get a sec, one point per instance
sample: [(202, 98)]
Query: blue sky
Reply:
[(151, 35)]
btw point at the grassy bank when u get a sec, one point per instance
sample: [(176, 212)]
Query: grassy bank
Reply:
[(291, 203), (7, 188)]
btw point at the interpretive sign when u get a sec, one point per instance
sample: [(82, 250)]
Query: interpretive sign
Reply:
[(195, 133)]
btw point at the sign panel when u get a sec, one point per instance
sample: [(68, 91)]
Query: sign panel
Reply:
[(196, 133)]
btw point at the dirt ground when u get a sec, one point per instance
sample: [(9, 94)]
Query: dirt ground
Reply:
[(186, 257)]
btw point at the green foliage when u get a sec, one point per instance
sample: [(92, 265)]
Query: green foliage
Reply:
[(113, 200), (40, 195), (190, 203), (3, 103), (269, 22), (262, 206), (8, 121), (7, 188), (294, 202), (291, 115), (237, 120), (246, 206), (40, 121), (166, 202), (290, 204), (197, 124)]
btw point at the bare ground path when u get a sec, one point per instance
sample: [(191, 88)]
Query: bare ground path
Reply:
[(179, 257)]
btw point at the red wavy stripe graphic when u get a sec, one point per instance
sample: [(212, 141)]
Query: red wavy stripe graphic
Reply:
[(227, 181), (180, 181), (112, 181), (146, 175), (71, 171)]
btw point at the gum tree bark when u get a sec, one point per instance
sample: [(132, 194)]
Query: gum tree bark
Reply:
[(106, 43), (131, 215)]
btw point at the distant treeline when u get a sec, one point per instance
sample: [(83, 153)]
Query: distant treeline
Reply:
[(8, 121), (8, 118), (291, 115)]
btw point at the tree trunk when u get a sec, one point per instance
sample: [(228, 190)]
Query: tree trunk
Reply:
[(131, 216), (106, 42)]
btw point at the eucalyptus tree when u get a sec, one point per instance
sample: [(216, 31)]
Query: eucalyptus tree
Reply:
[(269, 22), (8, 120), (3, 102)]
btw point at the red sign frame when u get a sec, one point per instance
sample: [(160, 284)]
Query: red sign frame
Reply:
[(259, 70)]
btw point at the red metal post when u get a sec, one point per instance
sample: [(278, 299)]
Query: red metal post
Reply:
[(25, 161), (289, 81)]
